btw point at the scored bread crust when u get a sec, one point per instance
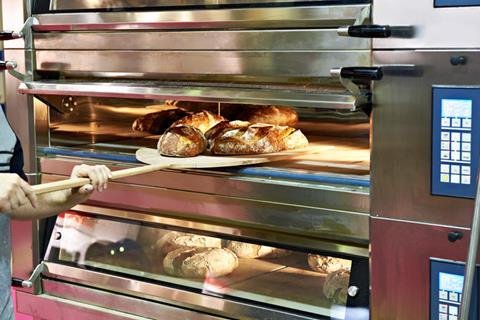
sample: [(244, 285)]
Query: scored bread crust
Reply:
[(158, 122), (275, 115), (201, 120), (175, 240), (326, 264), (182, 141), (335, 287), (239, 137), (253, 251), (200, 262)]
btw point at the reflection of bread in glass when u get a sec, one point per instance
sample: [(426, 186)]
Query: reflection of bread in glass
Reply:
[(335, 287), (125, 253), (175, 240), (252, 251), (200, 262), (326, 264)]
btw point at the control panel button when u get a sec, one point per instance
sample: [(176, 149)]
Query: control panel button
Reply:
[(443, 316), (457, 123), (445, 168), (452, 317), (443, 308), (445, 135), (455, 169), (466, 137), (455, 136), (466, 170), (445, 145), (445, 122), (466, 146), (465, 180), (453, 296), (467, 123), (455, 155), (455, 178), (456, 146), (453, 310), (443, 295), (445, 155), (466, 156), (445, 178)]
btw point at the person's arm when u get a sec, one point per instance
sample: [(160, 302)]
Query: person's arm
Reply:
[(25, 206)]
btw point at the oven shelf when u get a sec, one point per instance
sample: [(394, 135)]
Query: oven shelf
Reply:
[(326, 98)]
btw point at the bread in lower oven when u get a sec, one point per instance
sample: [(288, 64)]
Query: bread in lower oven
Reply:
[(335, 287), (158, 122), (240, 137), (175, 240), (253, 251), (326, 264), (275, 115), (182, 141), (203, 121), (200, 262)]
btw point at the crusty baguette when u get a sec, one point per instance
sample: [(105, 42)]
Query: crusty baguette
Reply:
[(200, 262), (202, 120), (158, 122), (279, 116), (238, 137), (326, 264), (175, 240), (182, 141), (253, 251)]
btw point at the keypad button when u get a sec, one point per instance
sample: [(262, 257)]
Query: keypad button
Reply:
[(466, 156), (455, 136), (455, 155), (445, 168), (445, 135), (443, 308), (455, 146), (443, 316), (455, 178), (445, 178), (455, 169), (466, 170), (467, 123), (466, 146), (443, 295), (445, 145), (465, 180), (445, 122), (466, 137), (445, 155), (453, 310), (457, 123), (453, 296), (452, 317)]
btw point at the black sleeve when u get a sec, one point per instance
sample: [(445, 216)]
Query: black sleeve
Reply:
[(16, 163)]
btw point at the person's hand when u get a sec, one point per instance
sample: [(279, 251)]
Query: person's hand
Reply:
[(14, 193), (98, 176)]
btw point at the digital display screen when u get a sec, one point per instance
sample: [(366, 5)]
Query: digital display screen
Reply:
[(451, 282), (457, 108)]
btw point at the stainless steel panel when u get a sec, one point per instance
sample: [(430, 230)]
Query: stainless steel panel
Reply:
[(177, 296), (269, 18), (323, 223), (400, 266), (118, 302), (434, 27), (268, 40), (328, 98), (401, 150), (148, 64), (109, 4)]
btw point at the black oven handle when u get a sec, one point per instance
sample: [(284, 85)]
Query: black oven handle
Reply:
[(359, 73), (7, 65), (376, 31), (10, 35), (19, 283)]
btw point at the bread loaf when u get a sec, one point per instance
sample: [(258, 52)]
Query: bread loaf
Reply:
[(253, 251), (238, 137), (158, 122), (326, 264), (182, 141), (175, 240), (335, 287), (200, 262), (202, 120), (279, 116)]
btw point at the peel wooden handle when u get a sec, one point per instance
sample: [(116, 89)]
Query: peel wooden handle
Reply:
[(80, 182)]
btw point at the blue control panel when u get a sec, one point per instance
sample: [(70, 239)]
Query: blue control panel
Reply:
[(456, 3), (455, 141), (446, 289)]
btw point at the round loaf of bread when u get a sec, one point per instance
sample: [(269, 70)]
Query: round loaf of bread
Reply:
[(200, 262), (335, 287), (203, 121), (176, 240), (326, 264), (253, 251), (182, 141)]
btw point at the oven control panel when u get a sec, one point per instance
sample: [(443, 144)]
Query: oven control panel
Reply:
[(456, 3), (455, 139), (446, 288)]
